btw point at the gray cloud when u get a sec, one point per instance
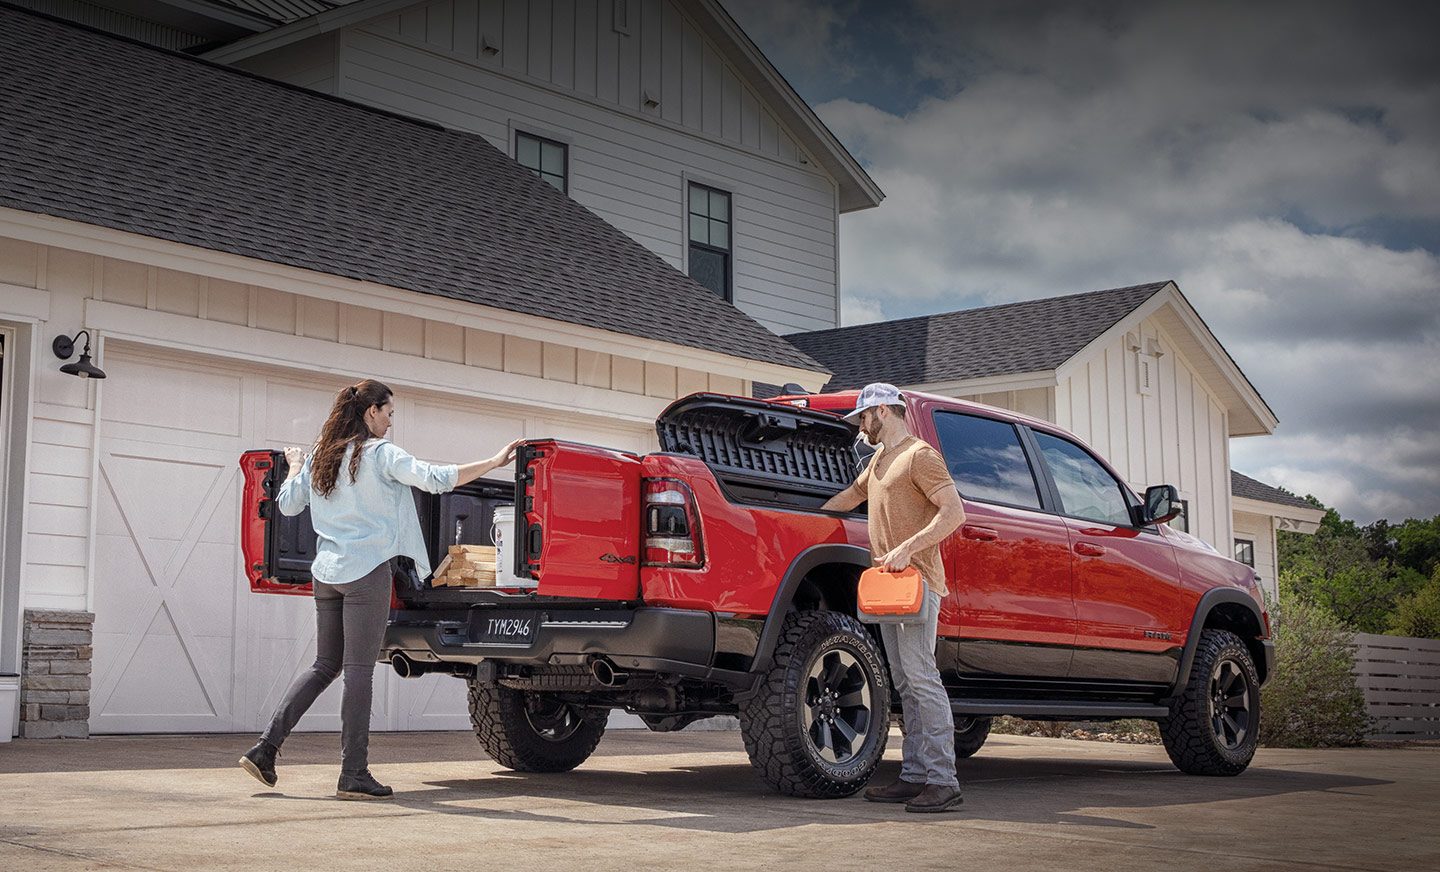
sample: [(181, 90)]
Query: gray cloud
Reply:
[(1255, 153)]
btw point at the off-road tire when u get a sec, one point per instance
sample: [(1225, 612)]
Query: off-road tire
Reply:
[(508, 734), (973, 735), (1189, 733), (772, 721)]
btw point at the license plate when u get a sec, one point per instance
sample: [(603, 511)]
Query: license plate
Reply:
[(506, 628)]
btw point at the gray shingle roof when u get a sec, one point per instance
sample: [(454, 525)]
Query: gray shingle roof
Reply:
[(113, 133), (1244, 486), (1032, 336)]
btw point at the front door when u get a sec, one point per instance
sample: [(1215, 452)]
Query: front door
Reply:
[(1129, 606), (1010, 610)]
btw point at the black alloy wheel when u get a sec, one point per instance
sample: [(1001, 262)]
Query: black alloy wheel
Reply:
[(552, 720), (837, 712), (1230, 716)]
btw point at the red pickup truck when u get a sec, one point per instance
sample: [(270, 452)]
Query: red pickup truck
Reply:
[(704, 579)]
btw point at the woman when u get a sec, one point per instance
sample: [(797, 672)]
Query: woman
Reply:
[(357, 485)]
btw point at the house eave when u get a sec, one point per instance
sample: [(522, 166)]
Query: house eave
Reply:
[(1293, 518)]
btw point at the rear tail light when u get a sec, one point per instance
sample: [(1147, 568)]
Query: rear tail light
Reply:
[(672, 525)]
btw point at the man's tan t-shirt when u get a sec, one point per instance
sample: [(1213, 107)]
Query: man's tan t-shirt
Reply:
[(899, 484)]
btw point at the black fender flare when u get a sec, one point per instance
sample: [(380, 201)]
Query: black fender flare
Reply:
[(804, 562), (1211, 598)]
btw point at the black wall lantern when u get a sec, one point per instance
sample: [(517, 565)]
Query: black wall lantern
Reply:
[(64, 346)]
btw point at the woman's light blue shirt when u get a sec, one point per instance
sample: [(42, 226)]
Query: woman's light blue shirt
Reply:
[(367, 522)]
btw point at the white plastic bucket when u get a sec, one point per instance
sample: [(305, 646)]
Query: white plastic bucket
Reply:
[(503, 532)]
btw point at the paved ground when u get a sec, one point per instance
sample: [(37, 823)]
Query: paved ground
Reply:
[(690, 800)]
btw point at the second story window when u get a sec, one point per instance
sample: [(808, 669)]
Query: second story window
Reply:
[(1181, 521), (710, 239), (545, 158)]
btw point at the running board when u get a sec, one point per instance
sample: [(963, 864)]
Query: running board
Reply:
[(1076, 710)]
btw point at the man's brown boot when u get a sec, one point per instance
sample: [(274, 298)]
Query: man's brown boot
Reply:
[(900, 791), (935, 797)]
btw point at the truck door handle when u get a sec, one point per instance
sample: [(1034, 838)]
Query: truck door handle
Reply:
[(1089, 549), (981, 534)]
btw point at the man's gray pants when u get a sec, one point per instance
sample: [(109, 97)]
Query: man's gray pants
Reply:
[(350, 623), (928, 754)]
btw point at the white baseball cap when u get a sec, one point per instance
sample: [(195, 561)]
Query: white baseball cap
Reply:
[(876, 394)]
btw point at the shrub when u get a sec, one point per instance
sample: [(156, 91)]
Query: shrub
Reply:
[(1419, 613), (1312, 699)]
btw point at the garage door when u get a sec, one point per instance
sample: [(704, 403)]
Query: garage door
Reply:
[(181, 645)]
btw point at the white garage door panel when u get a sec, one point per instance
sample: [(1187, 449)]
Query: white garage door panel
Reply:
[(164, 599), (181, 644), (294, 411), (173, 397)]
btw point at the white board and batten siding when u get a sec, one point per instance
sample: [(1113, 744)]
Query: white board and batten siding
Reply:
[(562, 70), (1260, 529), (1177, 433)]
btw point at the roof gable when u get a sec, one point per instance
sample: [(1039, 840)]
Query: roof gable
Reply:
[(800, 127), (156, 143)]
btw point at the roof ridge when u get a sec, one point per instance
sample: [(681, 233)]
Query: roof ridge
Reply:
[(1013, 304)]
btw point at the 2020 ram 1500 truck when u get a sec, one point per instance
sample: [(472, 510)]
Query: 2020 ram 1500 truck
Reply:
[(704, 579)]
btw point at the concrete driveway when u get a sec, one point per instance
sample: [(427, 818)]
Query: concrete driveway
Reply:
[(690, 800)]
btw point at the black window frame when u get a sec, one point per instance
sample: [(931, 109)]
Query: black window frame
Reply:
[(1132, 502), (690, 243), (541, 142), (1184, 513), (1027, 449), (1250, 543)]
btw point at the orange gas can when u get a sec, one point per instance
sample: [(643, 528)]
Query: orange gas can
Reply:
[(891, 596)]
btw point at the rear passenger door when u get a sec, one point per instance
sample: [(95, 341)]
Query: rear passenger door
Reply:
[(1010, 610), (1130, 611)]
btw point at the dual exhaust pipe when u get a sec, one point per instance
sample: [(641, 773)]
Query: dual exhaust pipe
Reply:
[(407, 668)]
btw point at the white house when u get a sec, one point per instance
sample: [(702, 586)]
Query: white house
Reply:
[(237, 249), (240, 242)]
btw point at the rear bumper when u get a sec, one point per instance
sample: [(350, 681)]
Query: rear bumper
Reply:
[(679, 641)]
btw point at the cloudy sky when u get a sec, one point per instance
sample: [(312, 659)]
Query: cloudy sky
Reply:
[(1280, 161)]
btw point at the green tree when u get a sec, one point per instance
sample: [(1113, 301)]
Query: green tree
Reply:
[(1419, 613), (1417, 545), (1359, 574)]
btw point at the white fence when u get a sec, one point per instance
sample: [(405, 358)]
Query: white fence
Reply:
[(1400, 678)]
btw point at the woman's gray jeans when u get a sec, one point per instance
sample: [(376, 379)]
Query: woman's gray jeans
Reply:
[(350, 623)]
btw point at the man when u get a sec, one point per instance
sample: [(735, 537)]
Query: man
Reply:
[(913, 506)]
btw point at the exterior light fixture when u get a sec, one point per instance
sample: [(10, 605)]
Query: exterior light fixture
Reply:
[(64, 346)]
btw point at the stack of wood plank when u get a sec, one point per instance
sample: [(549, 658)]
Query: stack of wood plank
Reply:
[(466, 566)]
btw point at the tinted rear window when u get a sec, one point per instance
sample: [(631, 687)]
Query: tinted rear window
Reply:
[(986, 460)]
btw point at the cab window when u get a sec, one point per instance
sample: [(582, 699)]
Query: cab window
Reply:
[(986, 460), (1087, 490)]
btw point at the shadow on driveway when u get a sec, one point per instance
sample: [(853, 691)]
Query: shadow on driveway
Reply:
[(729, 798)]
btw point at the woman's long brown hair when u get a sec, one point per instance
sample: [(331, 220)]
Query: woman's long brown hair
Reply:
[(345, 427)]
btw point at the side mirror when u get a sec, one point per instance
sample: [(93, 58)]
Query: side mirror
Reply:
[(1162, 503)]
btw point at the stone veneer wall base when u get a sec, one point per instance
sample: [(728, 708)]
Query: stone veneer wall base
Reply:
[(55, 674)]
